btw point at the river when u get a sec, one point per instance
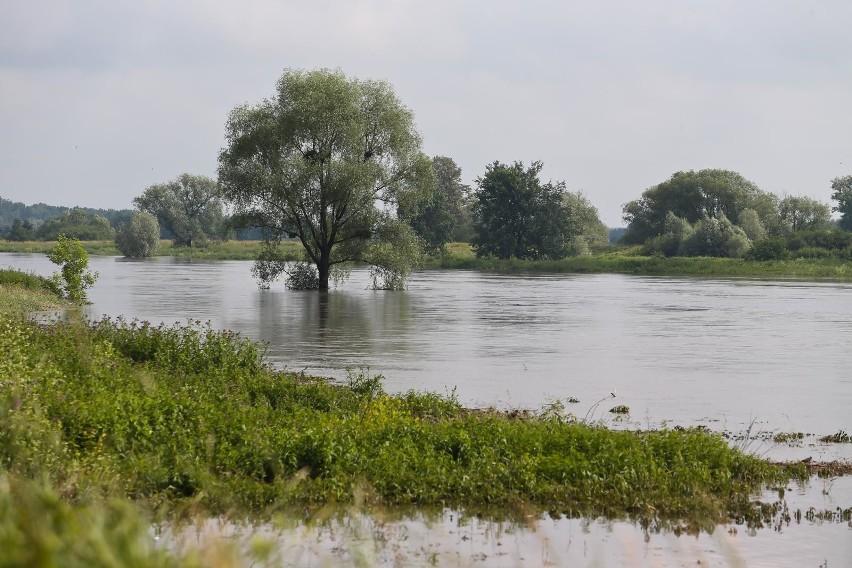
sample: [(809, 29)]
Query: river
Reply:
[(734, 355)]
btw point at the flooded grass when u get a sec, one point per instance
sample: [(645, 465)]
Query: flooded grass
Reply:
[(186, 417)]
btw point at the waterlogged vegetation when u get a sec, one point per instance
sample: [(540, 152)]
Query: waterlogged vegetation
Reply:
[(189, 417)]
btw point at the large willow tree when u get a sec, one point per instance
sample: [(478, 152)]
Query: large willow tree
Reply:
[(326, 160)]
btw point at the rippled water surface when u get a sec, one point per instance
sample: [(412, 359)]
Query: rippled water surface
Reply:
[(725, 353), (733, 355)]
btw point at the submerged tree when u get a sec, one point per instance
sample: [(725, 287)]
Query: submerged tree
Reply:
[(74, 278), (189, 207), (324, 161), (139, 237)]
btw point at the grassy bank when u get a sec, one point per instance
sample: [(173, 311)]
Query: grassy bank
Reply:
[(188, 417), (22, 293), (461, 256)]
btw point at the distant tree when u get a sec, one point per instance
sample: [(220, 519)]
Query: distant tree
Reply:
[(74, 278), (444, 216), (772, 248), (842, 194), (458, 195), (432, 220), (692, 196), (515, 215), (672, 241), (716, 236), (752, 226), (139, 237), (189, 207), (77, 224), (585, 229), (801, 213), (21, 231), (314, 161), (767, 206)]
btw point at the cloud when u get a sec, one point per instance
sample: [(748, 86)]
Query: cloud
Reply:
[(613, 96)]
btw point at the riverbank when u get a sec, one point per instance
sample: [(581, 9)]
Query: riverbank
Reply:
[(187, 415), (461, 256), (124, 422)]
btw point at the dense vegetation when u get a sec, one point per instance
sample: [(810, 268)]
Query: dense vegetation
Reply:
[(189, 416)]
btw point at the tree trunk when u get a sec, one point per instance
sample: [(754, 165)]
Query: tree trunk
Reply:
[(324, 267)]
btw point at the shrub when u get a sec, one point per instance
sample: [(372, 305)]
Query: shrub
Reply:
[(139, 237), (73, 278), (768, 249)]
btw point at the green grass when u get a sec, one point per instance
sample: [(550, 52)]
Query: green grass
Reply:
[(623, 260), (185, 417), (460, 256), (22, 293)]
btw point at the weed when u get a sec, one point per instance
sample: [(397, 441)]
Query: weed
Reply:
[(840, 437)]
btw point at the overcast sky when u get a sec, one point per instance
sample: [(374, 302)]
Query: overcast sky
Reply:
[(100, 99)]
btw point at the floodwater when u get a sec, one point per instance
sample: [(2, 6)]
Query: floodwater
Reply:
[(735, 355), (447, 538)]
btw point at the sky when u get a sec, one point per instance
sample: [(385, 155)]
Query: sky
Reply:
[(100, 99)]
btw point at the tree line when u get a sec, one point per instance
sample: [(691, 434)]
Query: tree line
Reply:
[(336, 162)]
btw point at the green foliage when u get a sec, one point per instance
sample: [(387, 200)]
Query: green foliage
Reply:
[(841, 188), (21, 231), (584, 224), (77, 224), (313, 161), (185, 416), (841, 437), (36, 214), (74, 278), (22, 293), (27, 280), (300, 276), (692, 196), (676, 232), (773, 248), (802, 213), (445, 215), (516, 216), (40, 529), (752, 226), (189, 208), (432, 220), (716, 237), (139, 237)]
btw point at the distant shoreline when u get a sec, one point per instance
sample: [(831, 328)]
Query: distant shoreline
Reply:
[(461, 256)]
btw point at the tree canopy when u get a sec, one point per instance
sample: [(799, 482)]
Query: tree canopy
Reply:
[(441, 217), (139, 237), (189, 208), (516, 216), (77, 224), (692, 196), (316, 161), (842, 193)]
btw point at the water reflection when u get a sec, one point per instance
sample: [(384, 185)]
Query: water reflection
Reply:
[(352, 537)]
